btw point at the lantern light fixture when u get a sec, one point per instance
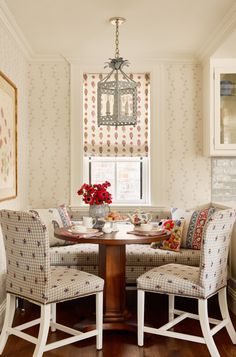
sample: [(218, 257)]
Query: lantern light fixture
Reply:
[(117, 92)]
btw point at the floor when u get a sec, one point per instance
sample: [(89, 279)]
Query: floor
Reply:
[(124, 344)]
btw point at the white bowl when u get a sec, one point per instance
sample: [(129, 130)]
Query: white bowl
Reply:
[(146, 227)]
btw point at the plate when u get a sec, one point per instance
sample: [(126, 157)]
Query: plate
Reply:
[(153, 230), (89, 231), (151, 233)]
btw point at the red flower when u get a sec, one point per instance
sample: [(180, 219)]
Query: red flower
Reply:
[(95, 194), (102, 194), (169, 224), (88, 199), (109, 200)]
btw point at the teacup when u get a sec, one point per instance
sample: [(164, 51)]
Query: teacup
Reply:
[(146, 227), (89, 222), (107, 229), (78, 229)]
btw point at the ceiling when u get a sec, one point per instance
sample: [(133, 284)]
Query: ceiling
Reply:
[(154, 28)]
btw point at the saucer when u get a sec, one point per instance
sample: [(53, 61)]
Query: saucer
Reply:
[(88, 231)]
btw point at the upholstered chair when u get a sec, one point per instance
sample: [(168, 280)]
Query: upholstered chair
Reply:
[(194, 282), (30, 276)]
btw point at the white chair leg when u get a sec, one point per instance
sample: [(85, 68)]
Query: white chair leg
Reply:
[(9, 315), (140, 313), (204, 322), (53, 316), (222, 296), (43, 330), (171, 307), (99, 319)]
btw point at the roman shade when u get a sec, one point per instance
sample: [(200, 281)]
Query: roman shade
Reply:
[(110, 140)]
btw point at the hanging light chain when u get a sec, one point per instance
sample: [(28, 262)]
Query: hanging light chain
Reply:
[(117, 53)]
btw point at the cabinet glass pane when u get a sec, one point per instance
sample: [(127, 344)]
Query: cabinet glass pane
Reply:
[(228, 108)]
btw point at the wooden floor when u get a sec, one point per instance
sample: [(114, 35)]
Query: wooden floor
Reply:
[(124, 344)]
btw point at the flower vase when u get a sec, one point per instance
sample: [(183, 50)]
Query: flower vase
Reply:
[(99, 212)]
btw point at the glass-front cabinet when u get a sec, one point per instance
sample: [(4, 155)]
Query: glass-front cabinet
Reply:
[(225, 109)]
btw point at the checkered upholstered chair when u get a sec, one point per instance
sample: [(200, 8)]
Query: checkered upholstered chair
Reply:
[(30, 276), (194, 282)]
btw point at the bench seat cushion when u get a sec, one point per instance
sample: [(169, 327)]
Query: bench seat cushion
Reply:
[(143, 255), (136, 255), (75, 254)]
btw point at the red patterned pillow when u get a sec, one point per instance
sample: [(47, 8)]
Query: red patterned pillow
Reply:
[(174, 241), (194, 225)]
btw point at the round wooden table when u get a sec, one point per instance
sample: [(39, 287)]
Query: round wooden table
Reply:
[(112, 263)]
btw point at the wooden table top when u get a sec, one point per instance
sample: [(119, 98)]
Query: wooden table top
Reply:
[(115, 238)]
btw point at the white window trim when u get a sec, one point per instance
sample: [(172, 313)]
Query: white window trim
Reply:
[(157, 154), (145, 177)]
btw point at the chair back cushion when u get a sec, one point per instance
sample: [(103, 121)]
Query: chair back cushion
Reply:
[(27, 254), (53, 218), (214, 252)]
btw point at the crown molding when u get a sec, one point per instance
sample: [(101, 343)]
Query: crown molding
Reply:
[(10, 24), (219, 35), (12, 27), (47, 58), (134, 62)]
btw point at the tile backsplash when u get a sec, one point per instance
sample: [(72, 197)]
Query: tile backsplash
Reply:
[(223, 187)]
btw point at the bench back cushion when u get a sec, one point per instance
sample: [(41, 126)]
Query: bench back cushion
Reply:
[(53, 218), (194, 225)]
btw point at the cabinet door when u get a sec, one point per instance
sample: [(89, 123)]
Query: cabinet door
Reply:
[(225, 108)]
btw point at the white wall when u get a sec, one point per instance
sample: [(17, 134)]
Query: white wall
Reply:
[(14, 65)]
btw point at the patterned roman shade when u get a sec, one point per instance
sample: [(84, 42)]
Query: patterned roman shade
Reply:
[(110, 140)]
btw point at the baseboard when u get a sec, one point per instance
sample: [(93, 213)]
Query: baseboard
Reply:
[(232, 299)]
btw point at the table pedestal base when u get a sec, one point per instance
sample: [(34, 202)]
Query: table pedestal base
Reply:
[(112, 270)]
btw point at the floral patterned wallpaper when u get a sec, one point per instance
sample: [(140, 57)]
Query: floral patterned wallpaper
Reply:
[(14, 65), (49, 132), (188, 172)]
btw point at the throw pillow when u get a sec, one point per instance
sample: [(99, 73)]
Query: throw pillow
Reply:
[(174, 241), (54, 218), (194, 225)]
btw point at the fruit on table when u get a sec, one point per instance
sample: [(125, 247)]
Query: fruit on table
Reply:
[(115, 216)]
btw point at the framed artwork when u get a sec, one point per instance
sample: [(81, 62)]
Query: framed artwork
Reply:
[(8, 139)]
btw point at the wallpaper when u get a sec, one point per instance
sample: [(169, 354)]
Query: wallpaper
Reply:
[(49, 130), (188, 172), (14, 65)]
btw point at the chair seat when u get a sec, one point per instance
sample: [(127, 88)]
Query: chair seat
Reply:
[(174, 279), (68, 284)]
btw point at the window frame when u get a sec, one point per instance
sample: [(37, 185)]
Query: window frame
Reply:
[(157, 127), (145, 175)]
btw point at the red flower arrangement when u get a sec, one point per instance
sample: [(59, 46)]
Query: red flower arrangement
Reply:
[(96, 194)]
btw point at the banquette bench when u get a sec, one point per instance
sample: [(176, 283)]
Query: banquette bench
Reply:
[(139, 257)]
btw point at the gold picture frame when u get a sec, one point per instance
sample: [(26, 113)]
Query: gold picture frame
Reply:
[(8, 138)]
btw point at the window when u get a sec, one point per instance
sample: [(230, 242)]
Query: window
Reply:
[(117, 154), (128, 177)]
